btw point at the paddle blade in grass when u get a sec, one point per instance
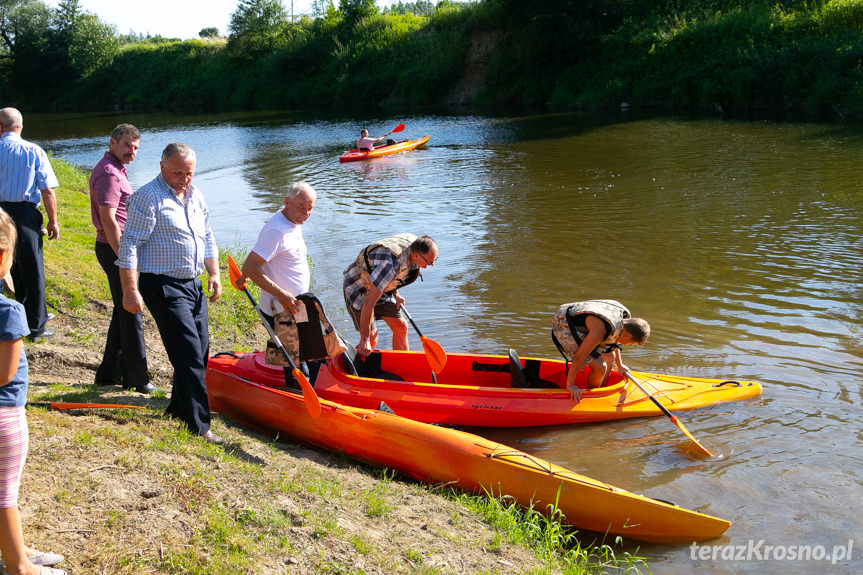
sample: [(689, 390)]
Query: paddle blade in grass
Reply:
[(62, 405)]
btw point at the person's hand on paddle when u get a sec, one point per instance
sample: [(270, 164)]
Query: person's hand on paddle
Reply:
[(400, 301), (575, 393)]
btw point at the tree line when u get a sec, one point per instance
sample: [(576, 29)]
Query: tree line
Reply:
[(799, 55)]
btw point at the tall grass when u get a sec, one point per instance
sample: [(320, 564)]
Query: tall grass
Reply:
[(557, 545)]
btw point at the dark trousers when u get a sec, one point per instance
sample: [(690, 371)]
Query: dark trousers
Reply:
[(125, 355), (179, 308), (28, 269)]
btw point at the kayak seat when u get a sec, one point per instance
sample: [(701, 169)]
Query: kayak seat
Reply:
[(531, 374), (368, 367), (527, 376), (517, 378)]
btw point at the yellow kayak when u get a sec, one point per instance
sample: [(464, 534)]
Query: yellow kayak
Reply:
[(354, 155)]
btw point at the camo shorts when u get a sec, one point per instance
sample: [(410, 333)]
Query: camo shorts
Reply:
[(286, 330)]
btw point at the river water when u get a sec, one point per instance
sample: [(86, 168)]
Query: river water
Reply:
[(741, 242)]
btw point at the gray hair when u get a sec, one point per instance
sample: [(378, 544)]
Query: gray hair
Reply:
[(123, 129), (297, 187), (10, 118), (184, 150)]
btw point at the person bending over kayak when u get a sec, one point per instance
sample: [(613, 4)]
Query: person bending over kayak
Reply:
[(371, 285), (591, 333), (367, 143)]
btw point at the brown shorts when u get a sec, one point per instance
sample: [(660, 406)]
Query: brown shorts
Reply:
[(382, 310)]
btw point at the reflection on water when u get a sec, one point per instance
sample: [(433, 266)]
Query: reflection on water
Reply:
[(741, 243)]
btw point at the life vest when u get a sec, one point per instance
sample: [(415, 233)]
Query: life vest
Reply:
[(608, 310), (399, 245)]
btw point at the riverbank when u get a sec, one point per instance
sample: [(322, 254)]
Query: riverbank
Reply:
[(793, 57), (128, 491)]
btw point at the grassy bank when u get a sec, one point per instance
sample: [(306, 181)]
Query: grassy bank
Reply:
[(129, 491)]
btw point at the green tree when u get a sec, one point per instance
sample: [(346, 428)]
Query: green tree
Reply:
[(353, 11), (80, 42), (211, 32), (257, 27), (24, 31)]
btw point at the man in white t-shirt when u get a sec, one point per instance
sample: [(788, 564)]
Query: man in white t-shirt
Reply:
[(279, 266), (278, 262)]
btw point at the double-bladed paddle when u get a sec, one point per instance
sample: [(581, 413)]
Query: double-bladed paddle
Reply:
[(673, 419), (313, 404), (435, 354)]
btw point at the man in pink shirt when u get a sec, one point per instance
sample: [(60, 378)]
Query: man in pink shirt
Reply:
[(367, 143), (125, 359)]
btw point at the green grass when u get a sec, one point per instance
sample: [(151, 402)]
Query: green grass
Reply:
[(554, 543)]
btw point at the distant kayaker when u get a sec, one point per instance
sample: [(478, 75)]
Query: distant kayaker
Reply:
[(591, 333), (371, 285), (367, 143), (279, 265)]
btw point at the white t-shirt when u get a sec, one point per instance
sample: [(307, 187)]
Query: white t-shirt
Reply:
[(281, 243)]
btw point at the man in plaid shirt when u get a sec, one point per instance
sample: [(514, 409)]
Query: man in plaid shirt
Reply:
[(166, 244), (371, 285)]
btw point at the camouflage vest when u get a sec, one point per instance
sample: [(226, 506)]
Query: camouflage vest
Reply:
[(400, 246), (610, 311)]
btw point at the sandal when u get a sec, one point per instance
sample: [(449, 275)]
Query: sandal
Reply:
[(50, 571), (46, 558)]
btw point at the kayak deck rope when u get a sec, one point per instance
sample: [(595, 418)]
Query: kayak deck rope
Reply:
[(528, 461)]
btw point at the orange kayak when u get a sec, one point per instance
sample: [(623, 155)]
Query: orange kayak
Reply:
[(446, 456), (354, 155), (479, 390)]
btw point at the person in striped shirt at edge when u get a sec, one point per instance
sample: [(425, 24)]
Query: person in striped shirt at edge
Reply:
[(166, 244), (27, 180)]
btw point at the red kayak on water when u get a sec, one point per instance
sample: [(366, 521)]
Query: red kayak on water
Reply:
[(484, 390)]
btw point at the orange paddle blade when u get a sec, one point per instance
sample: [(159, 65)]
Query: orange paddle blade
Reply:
[(398, 128), (690, 436), (435, 354), (313, 404), (234, 272)]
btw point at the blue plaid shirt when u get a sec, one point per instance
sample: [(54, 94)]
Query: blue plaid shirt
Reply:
[(24, 170), (384, 265), (163, 235)]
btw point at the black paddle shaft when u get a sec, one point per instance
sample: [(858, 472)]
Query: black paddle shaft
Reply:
[(270, 329), (410, 319)]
